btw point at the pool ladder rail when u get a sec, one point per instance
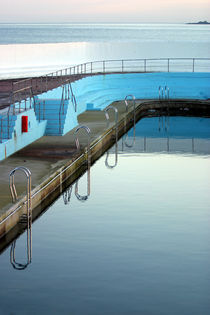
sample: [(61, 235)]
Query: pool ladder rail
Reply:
[(26, 218), (164, 95), (106, 110), (133, 99), (88, 153)]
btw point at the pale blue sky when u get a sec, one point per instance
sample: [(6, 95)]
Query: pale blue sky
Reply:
[(142, 11)]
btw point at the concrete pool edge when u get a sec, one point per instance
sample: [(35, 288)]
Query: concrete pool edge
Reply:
[(11, 216)]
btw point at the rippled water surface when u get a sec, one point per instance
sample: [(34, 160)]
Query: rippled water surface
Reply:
[(139, 244)]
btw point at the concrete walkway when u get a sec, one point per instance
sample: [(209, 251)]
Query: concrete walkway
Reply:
[(48, 155)]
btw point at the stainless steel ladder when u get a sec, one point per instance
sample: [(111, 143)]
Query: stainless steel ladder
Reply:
[(134, 120), (88, 131), (25, 218)]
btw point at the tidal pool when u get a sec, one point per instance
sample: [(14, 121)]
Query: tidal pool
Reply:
[(138, 244)]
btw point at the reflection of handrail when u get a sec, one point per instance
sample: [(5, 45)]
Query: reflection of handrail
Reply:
[(83, 197), (116, 118), (27, 172), (116, 158), (14, 263), (87, 129), (67, 195), (163, 93), (134, 121)]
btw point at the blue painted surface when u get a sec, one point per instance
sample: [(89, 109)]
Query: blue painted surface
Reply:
[(97, 92), (19, 139), (173, 127)]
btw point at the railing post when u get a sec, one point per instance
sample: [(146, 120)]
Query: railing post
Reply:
[(122, 65), (103, 66), (168, 65), (91, 67), (145, 65), (193, 64)]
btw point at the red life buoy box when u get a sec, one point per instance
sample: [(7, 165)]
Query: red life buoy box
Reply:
[(24, 123)]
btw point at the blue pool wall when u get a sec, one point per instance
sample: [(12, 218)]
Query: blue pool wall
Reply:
[(96, 93), (19, 139), (173, 127)]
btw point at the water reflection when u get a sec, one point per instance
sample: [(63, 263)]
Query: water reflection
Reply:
[(83, 197), (17, 265), (116, 157), (67, 195)]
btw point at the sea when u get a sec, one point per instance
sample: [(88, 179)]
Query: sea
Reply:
[(37, 49)]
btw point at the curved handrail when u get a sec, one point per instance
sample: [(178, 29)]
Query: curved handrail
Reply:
[(106, 110), (67, 195), (13, 191), (14, 263), (116, 158), (87, 129), (83, 198), (163, 93), (134, 121)]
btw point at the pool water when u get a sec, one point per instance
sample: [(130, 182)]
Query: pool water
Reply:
[(138, 244)]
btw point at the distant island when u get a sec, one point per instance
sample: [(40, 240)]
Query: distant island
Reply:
[(200, 22)]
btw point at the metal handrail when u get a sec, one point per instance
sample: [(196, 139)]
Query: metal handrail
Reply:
[(109, 66), (110, 107), (83, 197), (134, 120), (88, 131), (164, 93), (67, 195), (116, 158), (13, 191)]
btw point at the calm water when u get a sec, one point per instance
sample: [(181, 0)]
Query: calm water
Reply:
[(138, 245), (30, 49), (66, 33)]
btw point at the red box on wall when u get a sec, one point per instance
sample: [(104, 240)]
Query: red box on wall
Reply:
[(24, 123)]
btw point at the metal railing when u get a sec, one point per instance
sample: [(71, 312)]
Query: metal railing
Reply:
[(67, 94), (54, 79), (164, 93), (88, 131), (133, 99), (24, 218)]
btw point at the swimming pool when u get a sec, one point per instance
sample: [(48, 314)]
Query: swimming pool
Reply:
[(139, 244)]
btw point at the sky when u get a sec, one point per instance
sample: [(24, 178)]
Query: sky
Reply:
[(102, 11)]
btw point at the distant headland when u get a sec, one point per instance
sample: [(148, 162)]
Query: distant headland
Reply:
[(200, 22)]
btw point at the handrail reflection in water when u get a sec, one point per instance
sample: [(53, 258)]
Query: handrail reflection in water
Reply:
[(116, 157), (83, 197), (67, 195), (24, 219), (110, 107), (130, 145)]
